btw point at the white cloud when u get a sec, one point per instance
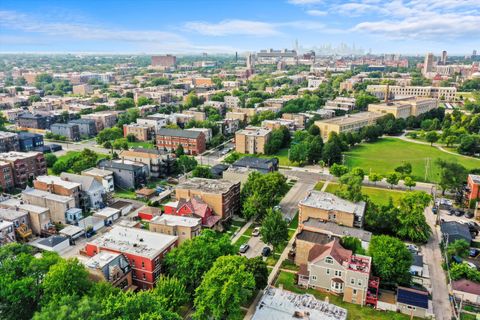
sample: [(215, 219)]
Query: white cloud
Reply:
[(358, 9), (232, 27), (316, 13), (304, 2)]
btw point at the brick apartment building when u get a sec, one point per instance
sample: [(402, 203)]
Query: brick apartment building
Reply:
[(186, 228), (58, 186), (143, 249), (6, 176), (252, 140), (221, 195), (159, 163), (167, 61), (69, 130), (473, 189), (193, 142), (30, 141), (34, 121), (24, 166), (87, 127), (104, 119), (9, 141), (141, 132)]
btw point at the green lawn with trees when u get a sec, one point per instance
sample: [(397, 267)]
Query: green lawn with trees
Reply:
[(386, 154), (379, 196)]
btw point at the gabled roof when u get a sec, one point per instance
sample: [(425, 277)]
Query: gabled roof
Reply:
[(412, 297), (332, 249), (453, 228), (87, 182)]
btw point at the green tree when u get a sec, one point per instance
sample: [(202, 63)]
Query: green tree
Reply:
[(464, 271), (352, 243), (224, 288), (50, 159), (142, 101), (338, 170), (375, 177), (67, 277), (350, 187), (232, 157), (179, 151), (192, 100), (258, 268), (363, 99), (393, 178), (452, 175), (391, 260), (450, 140), (409, 182), (172, 292), (202, 172), (405, 169), (124, 104), (411, 217), (315, 148), (314, 130), (299, 153), (131, 137), (193, 258), (185, 164), (431, 137), (332, 153), (109, 134), (460, 248), (274, 229)]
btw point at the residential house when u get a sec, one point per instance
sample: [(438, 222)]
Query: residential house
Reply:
[(105, 177), (104, 119), (221, 195), (39, 216), (467, 290), (123, 206), (412, 302), (148, 213), (57, 204), (261, 165), (141, 132), (92, 191), (126, 174), (195, 208), (109, 215), (144, 250), (155, 123), (186, 228), (453, 231), (73, 215), (7, 233), (335, 269), (20, 221), (69, 130), (111, 267), (329, 207)]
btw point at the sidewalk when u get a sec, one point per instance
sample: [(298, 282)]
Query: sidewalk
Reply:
[(242, 230)]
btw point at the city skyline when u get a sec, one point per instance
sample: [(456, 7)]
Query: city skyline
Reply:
[(405, 27)]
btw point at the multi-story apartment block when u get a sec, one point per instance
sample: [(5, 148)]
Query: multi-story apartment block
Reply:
[(472, 191), (12, 114), (39, 216), (300, 119), (57, 185), (30, 141), (380, 90), (111, 267), (341, 103), (144, 251), (193, 208), (328, 207), (232, 102), (24, 166), (126, 174), (6, 176), (155, 123), (186, 228), (193, 142), (92, 191), (87, 127), (57, 204), (159, 164), (105, 177), (104, 119), (141, 132), (252, 140), (404, 108), (278, 123), (166, 61), (34, 121), (335, 269), (221, 195), (347, 123), (197, 115), (69, 130), (9, 141), (207, 132)]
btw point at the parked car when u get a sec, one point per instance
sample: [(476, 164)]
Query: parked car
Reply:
[(287, 220), (435, 210), (469, 214), (266, 251), (277, 207), (451, 212), (457, 259), (474, 252), (471, 265), (473, 227), (256, 232), (244, 248), (458, 213)]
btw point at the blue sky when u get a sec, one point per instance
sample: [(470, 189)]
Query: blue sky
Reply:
[(176, 26)]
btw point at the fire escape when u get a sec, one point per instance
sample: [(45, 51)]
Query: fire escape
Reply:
[(372, 291)]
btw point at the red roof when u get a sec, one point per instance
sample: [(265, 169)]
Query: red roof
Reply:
[(333, 249), (465, 285)]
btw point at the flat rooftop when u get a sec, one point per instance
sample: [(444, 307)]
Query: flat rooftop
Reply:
[(254, 131), (475, 178), (206, 185), (98, 172), (58, 181), (172, 220), (13, 202), (352, 118), (47, 195), (338, 230), (135, 241), (101, 259), (10, 215), (14, 155), (278, 304), (327, 201), (106, 212)]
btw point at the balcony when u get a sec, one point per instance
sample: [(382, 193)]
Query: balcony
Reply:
[(372, 291)]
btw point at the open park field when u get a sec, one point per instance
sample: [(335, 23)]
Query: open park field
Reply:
[(386, 154)]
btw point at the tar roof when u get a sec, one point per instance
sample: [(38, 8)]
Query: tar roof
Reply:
[(338, 230), (172, 220), (328, 201), (179, 133), (207, 185)]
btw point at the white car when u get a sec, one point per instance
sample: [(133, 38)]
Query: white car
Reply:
[(256, 232), (470, 265)]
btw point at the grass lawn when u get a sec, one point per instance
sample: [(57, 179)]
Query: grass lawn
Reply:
[(355, 312), (386, 154), (319, 185), (282, 156), (125, 194), (379, 196), (141, 144)]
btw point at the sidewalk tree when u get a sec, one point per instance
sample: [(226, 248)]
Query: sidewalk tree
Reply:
[(172, 292), (331, 153), (299, 153), (260, 272), (375, 177), (224, 289), (452, 175), (391, 260), (458, 248), (350, 187), (393, 178), (179, 151), (338, 170), (274, 229), (202, 172), (409, 182), (404, 169), (463, 271)]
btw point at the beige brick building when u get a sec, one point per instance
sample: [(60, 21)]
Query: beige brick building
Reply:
[(252, 140), (328, 207), (185, 228), (404, 108), (347, 123), (140, 131)]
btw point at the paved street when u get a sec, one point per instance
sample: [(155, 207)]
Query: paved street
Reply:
[(433, 257)]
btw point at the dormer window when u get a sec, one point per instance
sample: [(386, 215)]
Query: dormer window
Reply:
[(329, 260)]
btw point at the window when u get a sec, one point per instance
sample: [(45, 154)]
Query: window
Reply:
[(352, 280), (143, 264), (411, 308), (359, 282), (338, 273), (314, 278), (144, 276), (328, 271), (329, 260), (354, 292)]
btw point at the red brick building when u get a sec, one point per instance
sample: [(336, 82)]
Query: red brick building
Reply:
[(6, 176), (473, 188), (24, 166), (143, 249), (193, 142)]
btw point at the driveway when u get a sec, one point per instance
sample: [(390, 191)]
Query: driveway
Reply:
[(433, 257), (256, 245)]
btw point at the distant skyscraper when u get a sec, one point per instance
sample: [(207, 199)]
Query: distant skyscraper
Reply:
[(474, 53), (428, 63), (250, 62), (444, 57)]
